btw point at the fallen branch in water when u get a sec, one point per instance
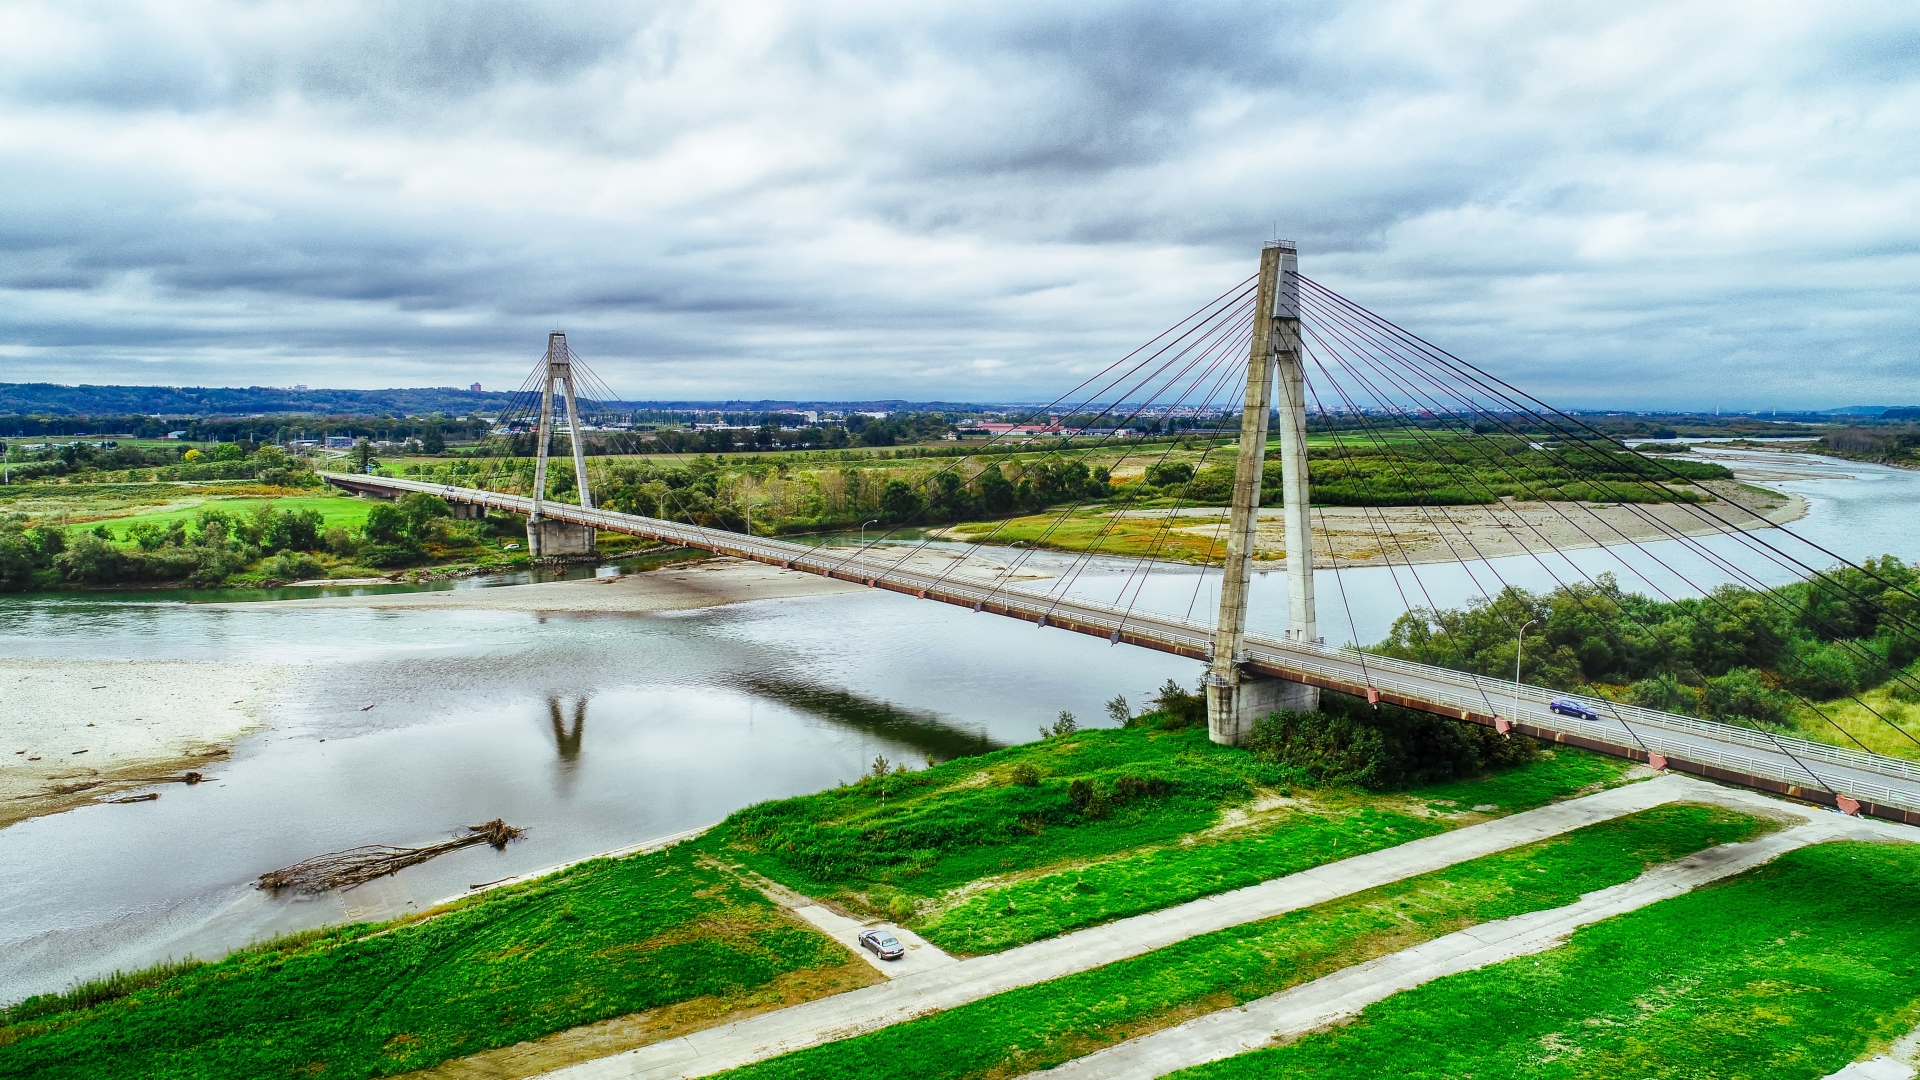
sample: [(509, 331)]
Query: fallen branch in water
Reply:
[(357, 866)]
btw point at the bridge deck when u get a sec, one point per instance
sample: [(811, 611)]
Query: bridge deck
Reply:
[(1883, 786)]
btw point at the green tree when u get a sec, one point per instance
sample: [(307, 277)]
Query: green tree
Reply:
[(362, 456), (898, 501)]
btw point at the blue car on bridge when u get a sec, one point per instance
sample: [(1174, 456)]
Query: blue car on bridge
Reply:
[(1569, 707)]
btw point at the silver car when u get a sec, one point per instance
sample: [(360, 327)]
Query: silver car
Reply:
[(883, 944)]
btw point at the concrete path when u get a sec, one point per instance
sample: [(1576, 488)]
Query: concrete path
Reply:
[(1291, 1013), (921, 955), (871, 1008), (1896, 1064)]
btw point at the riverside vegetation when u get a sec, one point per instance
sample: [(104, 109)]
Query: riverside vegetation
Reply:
[(677, 931), (1782, 659)]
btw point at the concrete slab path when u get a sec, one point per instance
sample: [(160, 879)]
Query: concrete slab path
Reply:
[(1291, 1013), (842, 1016), (1896, 1064), (921, 955)]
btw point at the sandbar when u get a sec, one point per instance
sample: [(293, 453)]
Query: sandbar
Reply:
[(80, 731)]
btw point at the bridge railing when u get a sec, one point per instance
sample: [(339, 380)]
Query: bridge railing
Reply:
[(1781, 758)]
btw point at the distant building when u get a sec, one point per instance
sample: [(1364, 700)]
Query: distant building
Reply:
[(475, 388), (176, 434), (1012, 429), (339, 442)]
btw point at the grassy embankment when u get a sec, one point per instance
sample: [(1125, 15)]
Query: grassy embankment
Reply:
[(677, 931), (974, 856), (1040, 1026), (1789, 971), (603, 939)]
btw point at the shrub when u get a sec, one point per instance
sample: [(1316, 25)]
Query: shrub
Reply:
[(1025, 774), (1348, 742), (387, 555), (293, 566), (1168, 473), (1179, 708)]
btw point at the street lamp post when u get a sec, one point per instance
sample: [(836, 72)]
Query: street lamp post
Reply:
[(1519, 643), (863, 530)]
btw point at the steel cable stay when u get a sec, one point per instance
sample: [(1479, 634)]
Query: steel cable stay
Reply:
[(1309, 336), (1207, 348), (1579, 598), (1206, 343), (1739, 534), (1221, 355), (1709, 596), (1208, 402), (1143, 566), (1170, 383), (1439, 453), (1688, 543), (1208, 318), (1441, 457), (1441, 356)]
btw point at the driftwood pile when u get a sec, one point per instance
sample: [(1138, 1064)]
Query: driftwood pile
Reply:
[(357, 866)]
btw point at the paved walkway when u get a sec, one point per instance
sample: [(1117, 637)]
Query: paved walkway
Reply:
[(1896, 1064), (1291, 1013), (842, 1016)]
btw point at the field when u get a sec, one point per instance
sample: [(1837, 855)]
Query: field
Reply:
[(1040, 1026), (1776, 973)]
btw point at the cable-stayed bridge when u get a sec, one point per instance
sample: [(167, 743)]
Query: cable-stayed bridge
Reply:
[(1286, 324)]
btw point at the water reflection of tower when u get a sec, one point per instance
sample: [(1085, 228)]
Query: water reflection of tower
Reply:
[(567, 740)]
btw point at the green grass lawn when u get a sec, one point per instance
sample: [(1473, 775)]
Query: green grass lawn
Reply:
[(1789, 971), (345, 511), (603, 939), (1040, 1026), (1059, 867)]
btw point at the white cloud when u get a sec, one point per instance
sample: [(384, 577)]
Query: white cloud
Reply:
[(1658, 203)]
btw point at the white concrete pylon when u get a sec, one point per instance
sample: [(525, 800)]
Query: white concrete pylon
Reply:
[(1235, 701), (559, 363)]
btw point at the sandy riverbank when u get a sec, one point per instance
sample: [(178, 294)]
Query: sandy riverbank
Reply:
[(81, 731), (678, 588), (1402, 534)]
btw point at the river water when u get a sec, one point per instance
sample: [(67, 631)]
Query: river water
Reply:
[(599, 731)]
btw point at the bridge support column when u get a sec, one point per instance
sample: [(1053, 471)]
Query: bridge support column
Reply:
[(550, 539), (1235, 700)]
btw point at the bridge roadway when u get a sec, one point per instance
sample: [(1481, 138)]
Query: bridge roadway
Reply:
[(1883, 786)]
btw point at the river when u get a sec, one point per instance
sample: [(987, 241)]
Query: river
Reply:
[(599, 731)]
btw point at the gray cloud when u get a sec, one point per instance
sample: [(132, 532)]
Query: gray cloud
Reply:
[(1653, 204)]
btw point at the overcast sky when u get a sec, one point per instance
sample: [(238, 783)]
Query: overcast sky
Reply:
[(1639, 204)]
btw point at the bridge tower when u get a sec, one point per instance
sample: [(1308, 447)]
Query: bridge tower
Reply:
[(1236, 699), (547, 538)]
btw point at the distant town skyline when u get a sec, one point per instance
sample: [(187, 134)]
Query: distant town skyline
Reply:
[(1673, 205)]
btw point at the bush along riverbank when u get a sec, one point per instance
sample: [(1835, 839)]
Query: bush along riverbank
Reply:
[(982, 853)]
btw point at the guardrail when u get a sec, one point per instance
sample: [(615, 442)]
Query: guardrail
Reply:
[(1797, 766)]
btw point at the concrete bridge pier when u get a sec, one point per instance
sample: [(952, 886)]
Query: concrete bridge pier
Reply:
[(1236, 700), (550, 539), (471, 511)]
